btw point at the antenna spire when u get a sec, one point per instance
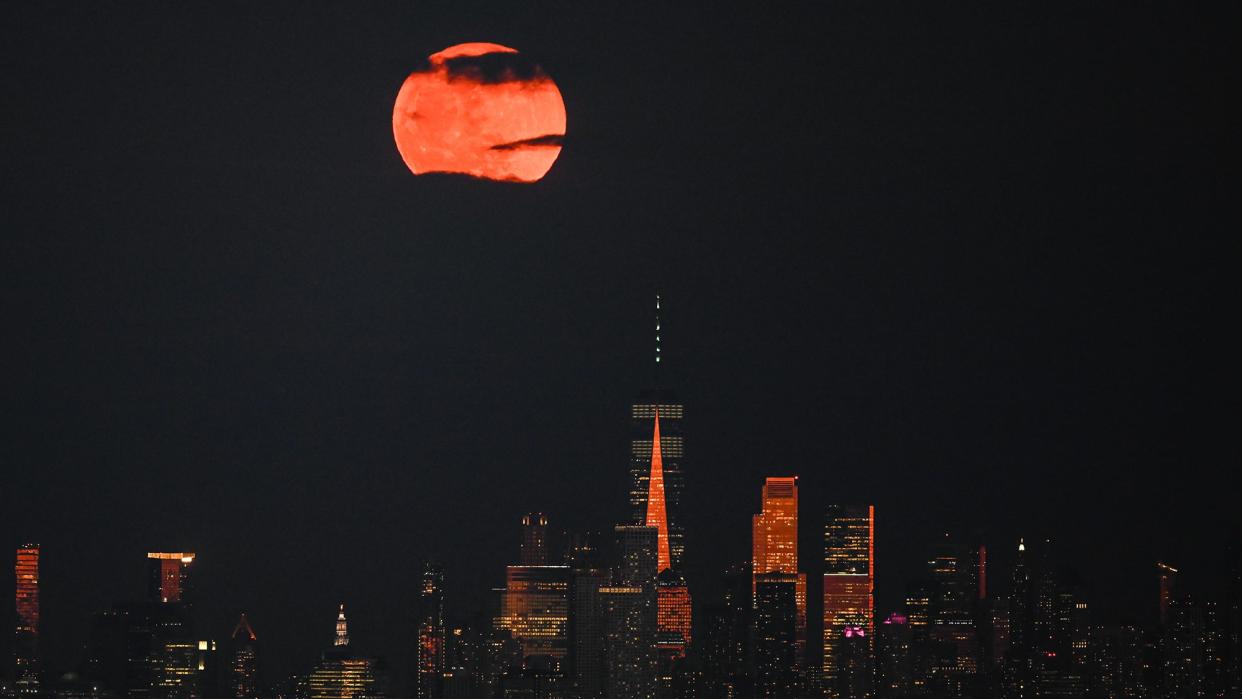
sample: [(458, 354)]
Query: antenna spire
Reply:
[(657, 354)]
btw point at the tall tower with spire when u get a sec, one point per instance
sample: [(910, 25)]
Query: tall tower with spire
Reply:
[(342, 628), (650, 442)]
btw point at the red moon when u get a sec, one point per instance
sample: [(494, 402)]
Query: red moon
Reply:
[(482, 110)]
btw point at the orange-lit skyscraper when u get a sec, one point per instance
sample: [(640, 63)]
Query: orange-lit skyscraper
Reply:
[(849, 581), (535, 610), (673, 619), (168, 577), (642, 444), (775, 544), (27, 650)]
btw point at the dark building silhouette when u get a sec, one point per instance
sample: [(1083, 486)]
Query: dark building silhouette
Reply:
[(588, 624), (894, 660), (244, 668), (1019, 677), (534, 540), (630, 610), (725, 636), (776, 634), (430, 634)]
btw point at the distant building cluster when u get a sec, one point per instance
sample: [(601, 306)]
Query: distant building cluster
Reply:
[(610, 615)]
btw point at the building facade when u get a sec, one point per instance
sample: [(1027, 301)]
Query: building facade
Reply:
[(849, 580)]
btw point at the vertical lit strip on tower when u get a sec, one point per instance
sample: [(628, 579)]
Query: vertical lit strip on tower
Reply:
[(849, 579), (27, 605), (657, 515)]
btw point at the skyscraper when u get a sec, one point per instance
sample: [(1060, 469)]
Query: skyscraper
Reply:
[(430, 643), (1019, 676), (27, 604), (849, 579), (588, 624), (775, 639), (244, 670), (644, 440), (630, 610), (168, 577), (774, 544), (535, 610), (340, 673), (534, 540), (673, 617), (1168, 584)]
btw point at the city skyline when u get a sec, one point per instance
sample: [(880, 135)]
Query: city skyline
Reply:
[(970, 266)]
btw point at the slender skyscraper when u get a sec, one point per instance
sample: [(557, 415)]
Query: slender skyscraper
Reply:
[(429, 663), (775, 544), (643, 440), (27, 651), (849, 580)]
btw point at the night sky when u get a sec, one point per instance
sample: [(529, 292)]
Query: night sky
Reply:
[(965, 262)]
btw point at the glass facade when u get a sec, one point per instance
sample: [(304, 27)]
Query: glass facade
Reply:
[(535, 609), (849, 580), (27, 606)]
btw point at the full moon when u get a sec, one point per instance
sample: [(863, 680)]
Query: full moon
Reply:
[(482, 110)]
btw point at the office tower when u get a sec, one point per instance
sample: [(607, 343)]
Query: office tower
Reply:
[(1020, 660), (244, 670), (429, 649), (672, 594), (168, 577), (645, 440), (1167, 575), (534, 540), (187, 669), (999, 615), (588, 625), (725, 634), (468, 670), (775, 528), (535, 611), (894, 660), (774, 543), (849, 579), (341, 673), (854, 675), (1117, 662), (775, 633), (953, 645), (26, 654), (630, 609)]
